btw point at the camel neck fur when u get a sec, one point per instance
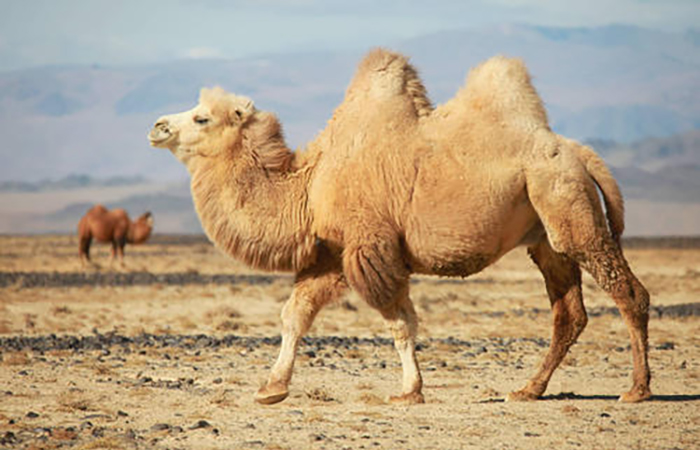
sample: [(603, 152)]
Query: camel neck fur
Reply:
[(252, 199), (138, 233)]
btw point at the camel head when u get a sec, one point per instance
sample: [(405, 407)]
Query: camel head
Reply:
[(140, 230), (206, 130), (146, 218)]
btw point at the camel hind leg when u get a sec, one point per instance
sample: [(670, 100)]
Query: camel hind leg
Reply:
[(570, 210), (605, 262), (563, 281)]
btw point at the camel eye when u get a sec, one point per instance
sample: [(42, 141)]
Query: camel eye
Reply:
[(201, 120)]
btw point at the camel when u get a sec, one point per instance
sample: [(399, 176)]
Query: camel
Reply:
[(113, 226), (394, 186)]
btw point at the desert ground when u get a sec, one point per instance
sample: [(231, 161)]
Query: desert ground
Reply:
[(167, 353)]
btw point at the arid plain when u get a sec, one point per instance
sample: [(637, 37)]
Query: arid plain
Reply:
[(168, 352)]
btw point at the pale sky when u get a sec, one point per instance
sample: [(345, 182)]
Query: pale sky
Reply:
[(117, 32)]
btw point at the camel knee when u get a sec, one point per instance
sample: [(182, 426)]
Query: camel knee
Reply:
[(310, 295), (633, 301), (297, 315), (578, 324), (613, 275), (403, 330), (641, 296), (569, 325), (402, 320)]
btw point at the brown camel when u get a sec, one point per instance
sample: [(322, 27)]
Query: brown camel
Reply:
[(111, 226), (393, 186)]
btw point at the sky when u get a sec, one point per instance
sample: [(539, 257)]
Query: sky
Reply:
[(125, 32)]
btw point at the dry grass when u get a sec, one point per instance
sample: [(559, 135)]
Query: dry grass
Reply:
[(341, 403)]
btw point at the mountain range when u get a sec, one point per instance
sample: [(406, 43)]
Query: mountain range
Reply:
[(616, 83), (659, 177), (632, 93)]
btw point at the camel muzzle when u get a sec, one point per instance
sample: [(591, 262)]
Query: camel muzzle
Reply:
[(159, 134)]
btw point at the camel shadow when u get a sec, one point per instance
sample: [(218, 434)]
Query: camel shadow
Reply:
[(614, 398), (654, 398)]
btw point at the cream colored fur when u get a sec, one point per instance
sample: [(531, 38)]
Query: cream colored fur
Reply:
[(393, 186)]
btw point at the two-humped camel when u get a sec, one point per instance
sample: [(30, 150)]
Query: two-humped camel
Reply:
[(393, 187), (114, 227)]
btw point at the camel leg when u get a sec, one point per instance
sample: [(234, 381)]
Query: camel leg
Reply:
[(84, 250), (117, 253), (120, 253), (313, 289), (605, 262), (113, 254), (374, 267), (562, 278), (576, 226), (403, 323)]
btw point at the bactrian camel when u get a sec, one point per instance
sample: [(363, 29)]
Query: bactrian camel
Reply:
[(393, 186), (114, 227)]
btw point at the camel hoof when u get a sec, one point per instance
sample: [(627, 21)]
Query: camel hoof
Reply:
[(414, 398), (636, 395), (522, 396), (271, 394)]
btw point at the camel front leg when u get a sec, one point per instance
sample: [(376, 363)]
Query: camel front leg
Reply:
[(84, 251), (403, 323), (312, 291), (120, 252), (113, 254), (377, 271)]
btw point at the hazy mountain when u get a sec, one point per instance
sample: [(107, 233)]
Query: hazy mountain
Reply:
[(618, 82), (659, 177), (70, 182), (652, 154), (633, 93)]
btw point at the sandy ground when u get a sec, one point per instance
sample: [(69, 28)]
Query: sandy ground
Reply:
[(160, 364)]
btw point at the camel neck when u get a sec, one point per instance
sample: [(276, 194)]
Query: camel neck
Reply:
[(138, 233), (258, 216)]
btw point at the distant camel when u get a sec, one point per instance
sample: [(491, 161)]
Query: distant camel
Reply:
[(393, 186), (111, 226)]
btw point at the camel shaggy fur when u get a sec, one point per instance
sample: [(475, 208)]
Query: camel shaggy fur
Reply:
[(393, 186), (114, 227)]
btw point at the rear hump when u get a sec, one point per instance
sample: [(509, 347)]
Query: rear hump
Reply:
[(502, 88)]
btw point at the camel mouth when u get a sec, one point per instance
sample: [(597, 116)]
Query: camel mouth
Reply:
[(157, 142), (159, 136)]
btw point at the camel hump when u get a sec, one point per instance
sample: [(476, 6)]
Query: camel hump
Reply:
[(503, 87), (119, 214), (99, 208), (383, 73)]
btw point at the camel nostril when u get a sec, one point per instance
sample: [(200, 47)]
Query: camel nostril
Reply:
[(162, 125)]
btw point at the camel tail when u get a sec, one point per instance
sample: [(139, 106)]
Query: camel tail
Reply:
[(614, 204)]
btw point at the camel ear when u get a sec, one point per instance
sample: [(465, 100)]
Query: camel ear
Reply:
[(148, 217), (242, 109)]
